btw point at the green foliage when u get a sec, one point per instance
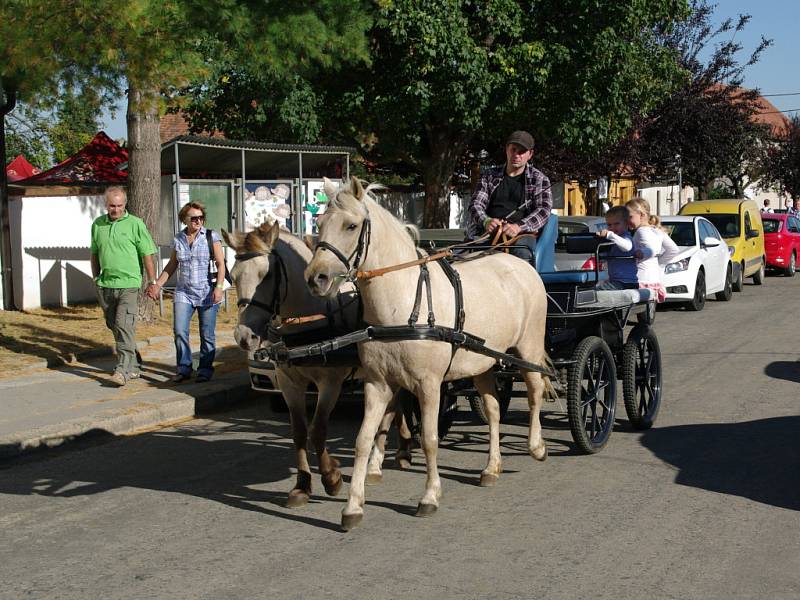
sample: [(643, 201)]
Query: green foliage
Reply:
[(720, 191), (782, 167)]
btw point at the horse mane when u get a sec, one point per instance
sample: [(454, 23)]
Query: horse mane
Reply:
[(253, 242)]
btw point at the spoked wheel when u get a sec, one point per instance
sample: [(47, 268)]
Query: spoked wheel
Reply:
[(503, 385), (641, 377), (592, 394), (413, 414)]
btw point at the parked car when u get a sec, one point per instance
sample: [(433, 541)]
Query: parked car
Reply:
[(782, 241), (703, 265), (739, 223), (571, 225)]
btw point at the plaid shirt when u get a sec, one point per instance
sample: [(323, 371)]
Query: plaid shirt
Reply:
[(194, 284), (536, 206)]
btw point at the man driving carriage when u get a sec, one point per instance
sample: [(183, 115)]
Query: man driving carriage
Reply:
[(514, 198)]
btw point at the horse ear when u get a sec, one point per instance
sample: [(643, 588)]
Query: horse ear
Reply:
[(358, 189), (233, 239), (329, 187), (271, 236), (309, 241)]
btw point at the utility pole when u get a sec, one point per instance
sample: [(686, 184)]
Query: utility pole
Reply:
[(680, 180)]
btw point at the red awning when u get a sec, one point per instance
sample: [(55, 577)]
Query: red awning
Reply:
[(95, 163), (20, 168)]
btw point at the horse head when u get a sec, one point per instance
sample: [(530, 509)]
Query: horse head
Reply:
[(257, 281), (343, 238)]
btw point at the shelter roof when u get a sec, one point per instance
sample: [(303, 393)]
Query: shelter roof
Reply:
[(20, 168), (208, 156), (94, 164)]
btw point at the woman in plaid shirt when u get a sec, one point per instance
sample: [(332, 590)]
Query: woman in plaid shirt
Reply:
[(197, 289)]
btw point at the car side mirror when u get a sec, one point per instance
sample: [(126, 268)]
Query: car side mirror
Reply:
[(752, 233), (711, 242)]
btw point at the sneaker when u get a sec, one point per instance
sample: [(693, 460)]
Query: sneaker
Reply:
[(118, 378), (203, 378), (134, 375), (181, 377)]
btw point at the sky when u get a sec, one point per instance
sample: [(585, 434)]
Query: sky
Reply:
[(776, 73)]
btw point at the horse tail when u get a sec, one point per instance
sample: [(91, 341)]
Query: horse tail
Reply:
[(550, 392)]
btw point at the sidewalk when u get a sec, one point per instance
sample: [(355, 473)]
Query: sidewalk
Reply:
[(42, 408)]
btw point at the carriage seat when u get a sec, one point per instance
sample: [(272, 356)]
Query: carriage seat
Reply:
[(618, 298)]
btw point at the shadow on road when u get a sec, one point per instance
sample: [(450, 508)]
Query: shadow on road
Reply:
[(759, 460), (784, 369)]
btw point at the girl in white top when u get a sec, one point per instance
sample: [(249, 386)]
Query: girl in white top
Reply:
[(652, 246)]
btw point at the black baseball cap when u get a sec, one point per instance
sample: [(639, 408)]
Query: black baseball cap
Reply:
[(523, 138)]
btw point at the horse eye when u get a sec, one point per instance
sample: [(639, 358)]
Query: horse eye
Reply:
[(352, 227)]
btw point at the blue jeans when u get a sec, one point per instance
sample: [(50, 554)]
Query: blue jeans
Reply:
[(182, 317)]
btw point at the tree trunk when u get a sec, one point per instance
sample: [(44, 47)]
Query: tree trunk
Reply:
[(144, 167), (9, 98), (446, 149)]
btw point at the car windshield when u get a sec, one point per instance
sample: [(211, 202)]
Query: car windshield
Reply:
[(772, 225), (727, 225), (681, 233)]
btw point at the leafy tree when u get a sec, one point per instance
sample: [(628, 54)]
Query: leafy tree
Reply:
[(447, 76), (26, 134), (782, 167), (708, 122)]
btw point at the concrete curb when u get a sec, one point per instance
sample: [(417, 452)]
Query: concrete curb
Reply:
[(129, 422)]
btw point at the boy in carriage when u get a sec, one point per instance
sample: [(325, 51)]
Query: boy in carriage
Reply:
[(621, 263)]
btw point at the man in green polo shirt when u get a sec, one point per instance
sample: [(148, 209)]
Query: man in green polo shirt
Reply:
[(121, 244)]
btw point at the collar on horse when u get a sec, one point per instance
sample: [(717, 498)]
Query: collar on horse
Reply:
[(357, 256), (276, 266)]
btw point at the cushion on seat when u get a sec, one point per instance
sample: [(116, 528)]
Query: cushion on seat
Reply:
[(576, 277)]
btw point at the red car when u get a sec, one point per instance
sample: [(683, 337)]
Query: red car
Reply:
[(782, 241)]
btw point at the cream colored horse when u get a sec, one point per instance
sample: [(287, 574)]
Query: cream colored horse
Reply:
[(269, 280), (505, 304)]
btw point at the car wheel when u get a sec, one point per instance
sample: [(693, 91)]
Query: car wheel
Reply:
[(738, 283), (699, 301), (758, 278), (792, 265), (727, 292)]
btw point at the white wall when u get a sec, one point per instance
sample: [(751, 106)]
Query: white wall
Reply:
[(50, 239), (663, 199)]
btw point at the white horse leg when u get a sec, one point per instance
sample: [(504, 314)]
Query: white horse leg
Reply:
[(404, 440), (428, 396), (536, 444), (485, 384), (377, 395), (374, 468), (329, 390), (294, 394)]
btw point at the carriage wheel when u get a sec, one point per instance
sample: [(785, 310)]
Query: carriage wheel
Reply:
[(504, 386), (413, 414), (641, 377), (591, 394)]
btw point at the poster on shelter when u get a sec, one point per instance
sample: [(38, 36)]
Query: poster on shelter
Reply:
[(316, 201), (267, 201)]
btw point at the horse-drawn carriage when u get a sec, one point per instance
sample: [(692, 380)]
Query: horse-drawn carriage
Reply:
[(560, 315)]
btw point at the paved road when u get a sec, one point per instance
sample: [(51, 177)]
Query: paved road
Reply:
[(705, 505)]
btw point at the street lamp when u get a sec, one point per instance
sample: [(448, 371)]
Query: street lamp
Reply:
[(680, 179)]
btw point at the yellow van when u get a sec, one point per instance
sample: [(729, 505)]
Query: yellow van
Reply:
[(739, 223)]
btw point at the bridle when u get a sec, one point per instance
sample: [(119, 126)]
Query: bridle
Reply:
[(277, 266), (357, 256)]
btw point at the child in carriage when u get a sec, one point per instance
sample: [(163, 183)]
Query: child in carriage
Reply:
[(652, 246), (621, 263)]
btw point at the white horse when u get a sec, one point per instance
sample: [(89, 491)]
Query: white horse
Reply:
[(269, 281), (505, 304)]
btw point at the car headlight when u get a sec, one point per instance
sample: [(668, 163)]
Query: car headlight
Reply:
[(677, 266), (731, 250)]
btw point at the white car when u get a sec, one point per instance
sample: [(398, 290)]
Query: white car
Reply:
[(703, 265)]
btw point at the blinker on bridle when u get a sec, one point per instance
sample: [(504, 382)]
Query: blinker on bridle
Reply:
[(272, 257), (357, 256)]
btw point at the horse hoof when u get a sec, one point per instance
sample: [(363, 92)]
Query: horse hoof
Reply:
[(332, 488), (296, 499), (374, 478), (351, 521), (403, 463), (540, 453), (426, 510), (489, 479)]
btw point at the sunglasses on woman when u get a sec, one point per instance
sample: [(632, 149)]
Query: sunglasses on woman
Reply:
[(199, 219)]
